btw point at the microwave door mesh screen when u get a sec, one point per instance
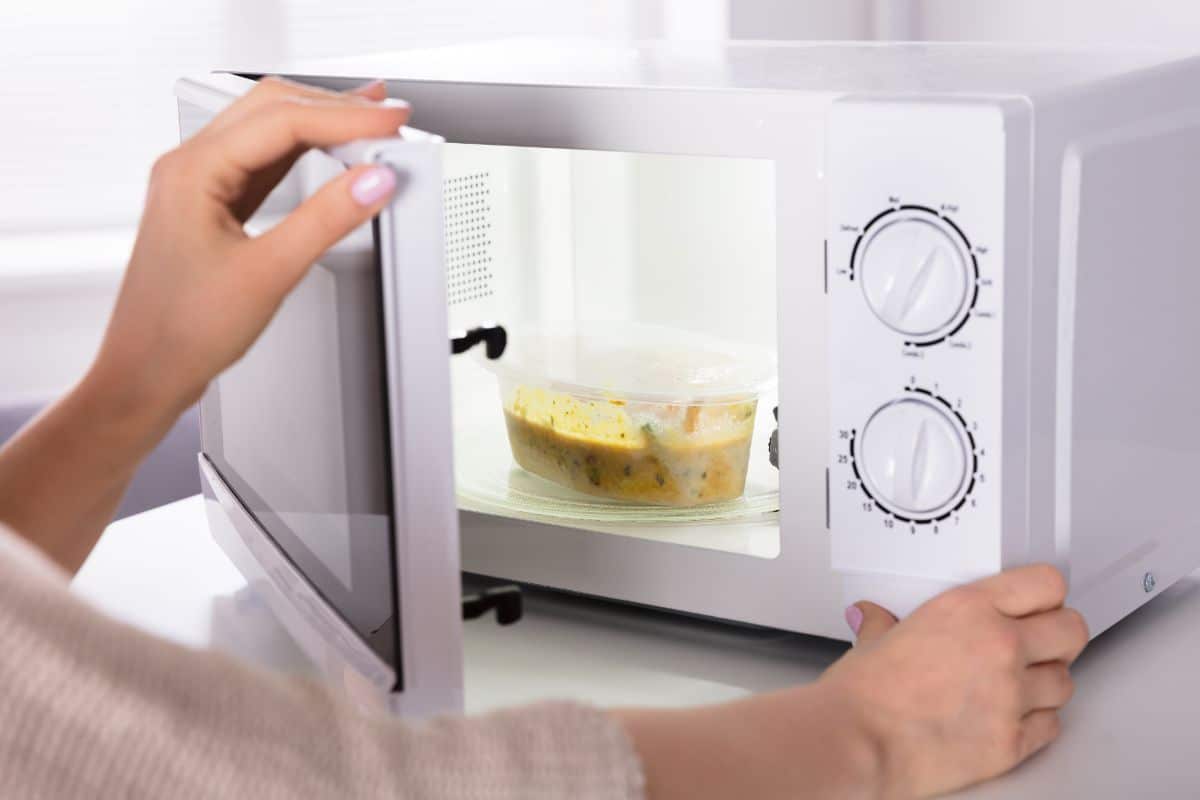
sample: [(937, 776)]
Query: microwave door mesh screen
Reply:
[(469, 234)]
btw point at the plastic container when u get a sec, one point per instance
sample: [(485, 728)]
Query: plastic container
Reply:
[(636, 413)]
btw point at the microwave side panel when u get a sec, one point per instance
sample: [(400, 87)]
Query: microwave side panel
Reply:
[(1069, 122), (1127, 436), (927, 327)]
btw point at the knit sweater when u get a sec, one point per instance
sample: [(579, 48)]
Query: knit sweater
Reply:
[(90, 707)]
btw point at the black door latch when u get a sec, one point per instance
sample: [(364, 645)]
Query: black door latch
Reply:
[(494, 338), (505, 599), (773, 442)]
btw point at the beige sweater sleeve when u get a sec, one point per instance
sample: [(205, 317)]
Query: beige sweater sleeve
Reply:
[(93, 708)]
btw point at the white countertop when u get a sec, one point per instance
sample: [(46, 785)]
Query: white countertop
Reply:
[(1129, 732)]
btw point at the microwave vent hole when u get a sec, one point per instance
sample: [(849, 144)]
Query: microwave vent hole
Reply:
[(468, 209)]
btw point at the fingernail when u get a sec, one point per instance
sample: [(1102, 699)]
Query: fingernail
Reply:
[(854, 618), (373, 185), (362, 93)]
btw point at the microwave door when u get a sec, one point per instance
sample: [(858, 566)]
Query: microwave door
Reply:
[(409, 242), (333, 438)]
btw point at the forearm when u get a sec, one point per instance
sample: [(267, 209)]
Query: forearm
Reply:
[(63, 476), (763, 747), (94, 708)]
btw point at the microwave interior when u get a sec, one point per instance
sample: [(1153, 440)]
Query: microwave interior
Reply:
[(536, 239), (646, 257)]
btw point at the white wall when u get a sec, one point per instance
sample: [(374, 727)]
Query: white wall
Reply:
[(801, 19), (823, 19), (1165, 22), (1154, 22)]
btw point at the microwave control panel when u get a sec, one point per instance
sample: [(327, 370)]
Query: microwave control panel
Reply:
[(916, 200)]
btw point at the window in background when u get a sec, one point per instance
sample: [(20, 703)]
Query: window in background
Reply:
[(88, 95), (88, 106)]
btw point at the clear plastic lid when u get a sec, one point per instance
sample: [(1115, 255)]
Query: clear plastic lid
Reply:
[(630, 361)]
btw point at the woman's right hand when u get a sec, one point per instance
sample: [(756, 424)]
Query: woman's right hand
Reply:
[(964, 689), (968, 686)]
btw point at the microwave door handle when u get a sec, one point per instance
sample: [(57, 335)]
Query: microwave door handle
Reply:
[(362, 151)]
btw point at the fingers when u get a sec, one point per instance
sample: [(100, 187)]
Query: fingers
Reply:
[(872, 621), (1058, 635), (279, 129), (285, 252), (272, 89), (1026, 590), (1047, 686), (245, 196), (1038, 729)]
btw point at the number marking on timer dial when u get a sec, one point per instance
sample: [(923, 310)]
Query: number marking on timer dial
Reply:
[(915, 459), (917, 272)]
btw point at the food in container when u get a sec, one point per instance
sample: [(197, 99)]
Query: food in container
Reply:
[(632, 412), (632, 450)]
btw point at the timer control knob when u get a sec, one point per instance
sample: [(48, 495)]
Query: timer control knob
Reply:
[(915, 273), (914, 457)]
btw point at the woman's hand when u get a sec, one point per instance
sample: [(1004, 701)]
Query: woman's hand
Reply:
[(198, 289), (197, 292), (968, 686), (961, 691)]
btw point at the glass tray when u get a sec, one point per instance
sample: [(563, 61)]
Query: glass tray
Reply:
[(489, 481)]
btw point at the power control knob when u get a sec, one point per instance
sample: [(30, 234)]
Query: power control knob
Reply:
[(915, 273), (914, 457)]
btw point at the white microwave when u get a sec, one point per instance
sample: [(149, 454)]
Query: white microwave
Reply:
[(973, 265)]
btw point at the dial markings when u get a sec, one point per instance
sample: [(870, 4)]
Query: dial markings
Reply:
[(971, 477), (954, 231)]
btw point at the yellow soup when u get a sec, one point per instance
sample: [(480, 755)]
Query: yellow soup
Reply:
[(656, 453)]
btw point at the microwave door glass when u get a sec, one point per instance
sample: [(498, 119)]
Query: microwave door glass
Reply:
[(297, 430), (638, 292)]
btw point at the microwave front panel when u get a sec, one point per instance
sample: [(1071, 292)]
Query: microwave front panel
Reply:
[(917, 236), (714, 227)]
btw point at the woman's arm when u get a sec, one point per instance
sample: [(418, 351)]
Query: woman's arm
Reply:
[(93, 708), (63, 476), (196, 294), (965, 689)]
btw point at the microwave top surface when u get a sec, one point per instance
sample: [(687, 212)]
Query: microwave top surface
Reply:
[(836, 67)]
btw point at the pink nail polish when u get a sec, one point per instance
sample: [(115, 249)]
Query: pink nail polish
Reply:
[(373, 185), (854, 618)]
